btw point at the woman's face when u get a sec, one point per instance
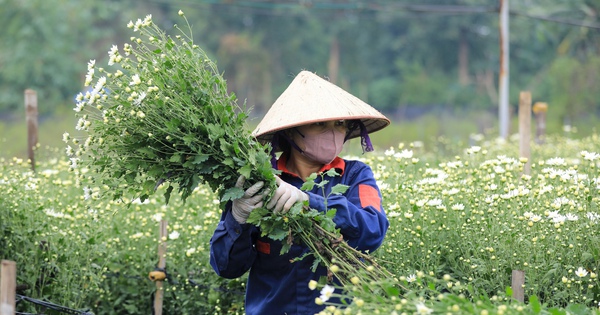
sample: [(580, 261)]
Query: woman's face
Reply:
[(317, 139), (320, 127)]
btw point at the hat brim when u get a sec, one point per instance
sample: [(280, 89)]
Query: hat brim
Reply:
[(309, 99)]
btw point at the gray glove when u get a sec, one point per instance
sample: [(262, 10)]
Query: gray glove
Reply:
[(285, 197), (251, 200)]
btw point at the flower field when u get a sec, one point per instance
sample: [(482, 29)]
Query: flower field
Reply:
[(462, 219)]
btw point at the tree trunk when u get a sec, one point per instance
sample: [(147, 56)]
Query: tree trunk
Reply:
[(463, 58), (334, 60)]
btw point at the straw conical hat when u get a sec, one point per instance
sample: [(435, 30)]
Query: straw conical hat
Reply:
[(309, 99)]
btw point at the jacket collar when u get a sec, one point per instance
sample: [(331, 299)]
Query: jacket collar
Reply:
[(338, 163)]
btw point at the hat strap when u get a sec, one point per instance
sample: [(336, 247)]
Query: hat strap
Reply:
[(275, 145), (365, 141)]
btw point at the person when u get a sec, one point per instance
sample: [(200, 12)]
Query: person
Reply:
[(308, 124)]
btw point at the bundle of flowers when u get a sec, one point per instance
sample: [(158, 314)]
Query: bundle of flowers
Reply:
[(161, 115)]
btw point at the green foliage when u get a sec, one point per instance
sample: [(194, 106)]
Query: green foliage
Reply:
[(164, 115), (49, 39), (97, 255)]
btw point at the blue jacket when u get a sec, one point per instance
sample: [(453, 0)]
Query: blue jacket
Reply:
[(277, 286)]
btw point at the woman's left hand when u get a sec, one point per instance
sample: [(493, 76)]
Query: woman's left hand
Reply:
[(285, 197)]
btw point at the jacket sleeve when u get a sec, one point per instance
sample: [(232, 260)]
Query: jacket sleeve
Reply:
[(232, 251), (359, 213)]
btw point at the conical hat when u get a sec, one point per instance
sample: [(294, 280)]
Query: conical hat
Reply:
[(309, 99)]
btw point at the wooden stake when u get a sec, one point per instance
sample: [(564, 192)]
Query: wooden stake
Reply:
[(31, 114), (8, 287), (162, 263), (525, 129), (540, 109), (518, 281)]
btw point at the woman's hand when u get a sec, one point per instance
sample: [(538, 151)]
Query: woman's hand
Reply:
[(251, 200), (285, 197)]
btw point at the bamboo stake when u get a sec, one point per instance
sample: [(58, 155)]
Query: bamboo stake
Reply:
[(518, 282), (162, 263), (525, 129), (31, 112), (8, 287)]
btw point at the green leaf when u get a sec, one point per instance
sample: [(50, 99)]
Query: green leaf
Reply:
[(308, 185), (228, 161), (392, 291), (147, 152), (279, 234), (509, 291), (246, 170), (167, 194), (332, 172), (257, 215), (173, 125), (339, 189), (232, 193), (200, 158), (175, 158), (577, 309), (285, 248), (536, 307)]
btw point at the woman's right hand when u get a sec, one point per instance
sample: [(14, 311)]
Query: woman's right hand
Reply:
[(251, 200)]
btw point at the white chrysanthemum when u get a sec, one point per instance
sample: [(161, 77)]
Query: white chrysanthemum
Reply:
[(79, 107), (590, 156), (434, 202), (174, 235), (499, 169), (157, 217), (594, 217), (80, 124), (581, 272), (74, 162), (452, 191), (422, 309), (458, 206), (87, 193), (535, 218), (138, 24), (69, 150), (455, 164), (112, 54), (135, 80), (474, 149), (139, 99), (394, 214), (389, 152), (556, 161), (405, 154), (571, 217), (190, 251), (326, 292), (546, 189), (99, 85), (89, 77)]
